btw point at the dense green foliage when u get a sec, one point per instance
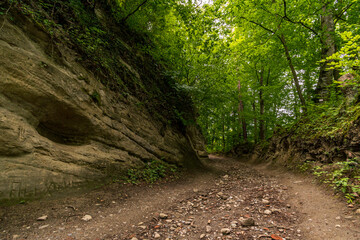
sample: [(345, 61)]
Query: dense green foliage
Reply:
[(272, 49)]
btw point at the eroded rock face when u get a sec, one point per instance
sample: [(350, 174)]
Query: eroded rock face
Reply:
[(284, 149), (59, 127)]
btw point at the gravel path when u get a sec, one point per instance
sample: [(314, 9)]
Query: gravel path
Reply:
[(231, 201)]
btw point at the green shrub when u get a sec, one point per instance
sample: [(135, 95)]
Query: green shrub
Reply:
[(152, 172)]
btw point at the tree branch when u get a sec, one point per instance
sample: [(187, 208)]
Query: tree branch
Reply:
[(258, 24), (132, 13), (338, 16), (299, 22), (285, 16)]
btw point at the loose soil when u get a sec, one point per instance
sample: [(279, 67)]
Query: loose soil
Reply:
[(209, 204)]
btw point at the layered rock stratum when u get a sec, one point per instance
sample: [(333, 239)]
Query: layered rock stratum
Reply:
[(61, 127)]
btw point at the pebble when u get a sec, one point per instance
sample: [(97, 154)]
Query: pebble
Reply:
[(157, 235), (44, 226), (134, 238), (357, 211), (208, 229), (86, 218), (265, 201), (276, 210), (225, 231), (163, 216), (247, 222), (337, 226), (267, 212), (202, 236), (42, 218)]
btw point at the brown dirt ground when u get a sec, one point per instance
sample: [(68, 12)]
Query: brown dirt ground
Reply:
[(219, 197)]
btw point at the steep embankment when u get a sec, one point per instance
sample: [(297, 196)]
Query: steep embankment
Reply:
[(80, 102), (326, 144)]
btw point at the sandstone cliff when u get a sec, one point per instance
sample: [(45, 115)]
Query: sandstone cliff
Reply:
[(66, 120)]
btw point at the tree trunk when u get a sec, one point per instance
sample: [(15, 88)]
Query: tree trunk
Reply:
[(223, 134), (255, 121), (326, 76), (241, 113), (296, 113), (213, 138), (296, 79), (262, 105)]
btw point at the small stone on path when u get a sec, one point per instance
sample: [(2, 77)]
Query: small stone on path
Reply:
[(44, 226), (358, 211), (86, 218), (267, 212), (247, 222), (42, 218), (157, 235), (225, 231), (208, 229), (163, 216)]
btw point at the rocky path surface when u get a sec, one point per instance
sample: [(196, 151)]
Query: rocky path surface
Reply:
[(233, 201)]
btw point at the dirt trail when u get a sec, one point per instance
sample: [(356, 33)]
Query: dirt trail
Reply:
[(209, 205)]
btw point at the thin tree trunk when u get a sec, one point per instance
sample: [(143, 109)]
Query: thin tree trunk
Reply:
[(213, 138), (223, 134), (326, 75), (295, 102), (296, 79), (241, 114), (255, 122), (262, 105)]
